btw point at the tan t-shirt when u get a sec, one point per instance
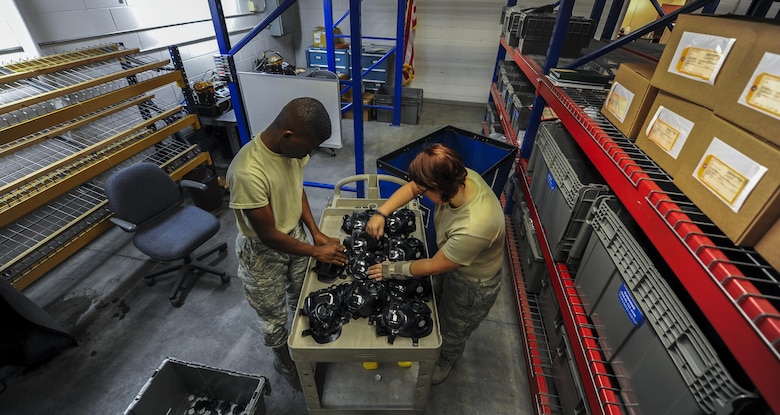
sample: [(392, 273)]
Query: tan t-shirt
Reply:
[(472, 235), (258, 177)]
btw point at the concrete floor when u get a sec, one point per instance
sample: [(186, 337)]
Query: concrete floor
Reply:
[(125, 329)]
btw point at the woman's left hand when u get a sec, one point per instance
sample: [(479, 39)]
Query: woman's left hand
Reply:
[(375, 272)]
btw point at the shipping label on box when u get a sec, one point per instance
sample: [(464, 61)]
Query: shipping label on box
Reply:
[(619, 100), (700, 56), (669, 131), (728, 173), (630, 97), (762, 93)]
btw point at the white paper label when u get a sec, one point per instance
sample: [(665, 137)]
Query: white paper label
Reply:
[(619, 101), (762, 93), (700, 57), (728, 174), (669, 130)]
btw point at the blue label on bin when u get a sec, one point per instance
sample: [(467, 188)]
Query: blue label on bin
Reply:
[(551, 181), (630, 306)]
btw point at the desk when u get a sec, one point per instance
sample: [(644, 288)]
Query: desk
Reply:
[(332, 374), (228, 121)]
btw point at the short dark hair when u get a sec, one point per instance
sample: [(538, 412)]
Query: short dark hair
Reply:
[(440, 168), (307, 117)]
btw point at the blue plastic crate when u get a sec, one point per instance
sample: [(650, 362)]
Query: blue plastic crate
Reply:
[(490, 158)]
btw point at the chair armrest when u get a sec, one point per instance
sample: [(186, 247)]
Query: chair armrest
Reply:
[(125, 225), (193, 184)]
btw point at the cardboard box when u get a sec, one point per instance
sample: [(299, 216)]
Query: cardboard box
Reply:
[(368, 113), (734, 178), (670, 123), (751, 97), (630, 97), (691, 68), (769, 246)]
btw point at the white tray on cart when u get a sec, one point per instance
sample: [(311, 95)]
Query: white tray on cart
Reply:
[(332, 374)]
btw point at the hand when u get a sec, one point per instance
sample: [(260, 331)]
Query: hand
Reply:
[(376, 226), (331, 253), (375, 272), (322, 239)]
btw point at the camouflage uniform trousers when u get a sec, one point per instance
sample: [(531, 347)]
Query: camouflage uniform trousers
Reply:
[(462, 305), (271, 279)]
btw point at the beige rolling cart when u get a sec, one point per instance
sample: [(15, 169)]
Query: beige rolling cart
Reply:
[(332, 374)]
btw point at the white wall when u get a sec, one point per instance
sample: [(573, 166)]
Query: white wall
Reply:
[(455, 43)]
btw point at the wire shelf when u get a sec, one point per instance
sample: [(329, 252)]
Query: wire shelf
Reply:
[(33, 238), (67, 121)]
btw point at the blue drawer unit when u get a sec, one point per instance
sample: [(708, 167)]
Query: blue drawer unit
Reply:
[(378, 76), (318, 58)]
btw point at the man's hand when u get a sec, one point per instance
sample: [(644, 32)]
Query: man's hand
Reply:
[(322, 239), (331, 253)]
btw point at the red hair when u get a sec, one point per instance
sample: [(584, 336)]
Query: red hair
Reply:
[(440, 168)]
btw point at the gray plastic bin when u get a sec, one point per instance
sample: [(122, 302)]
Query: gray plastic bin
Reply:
[(661, 358), (411, 104), (564, 185), (168, 390)]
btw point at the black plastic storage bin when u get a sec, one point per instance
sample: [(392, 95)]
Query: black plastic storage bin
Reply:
[(535, 31), (411, 104), (492, 159)]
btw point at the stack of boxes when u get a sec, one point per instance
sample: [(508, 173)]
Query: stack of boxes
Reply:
[(709, 114)]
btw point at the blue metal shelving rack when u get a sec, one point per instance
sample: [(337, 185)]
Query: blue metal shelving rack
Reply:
[(228, 72)]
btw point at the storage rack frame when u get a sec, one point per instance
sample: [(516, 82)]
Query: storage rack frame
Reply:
[(229, 74), (724, 280)]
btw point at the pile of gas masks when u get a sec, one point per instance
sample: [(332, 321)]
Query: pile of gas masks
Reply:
[(363, 250), (396, 308)]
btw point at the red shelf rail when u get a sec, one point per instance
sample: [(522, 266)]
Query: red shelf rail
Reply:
[(743, 316), (598, 383), (537, 350), (529, 67)]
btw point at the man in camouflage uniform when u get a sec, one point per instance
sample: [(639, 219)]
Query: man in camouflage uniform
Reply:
[(266, 194), (470, 231)]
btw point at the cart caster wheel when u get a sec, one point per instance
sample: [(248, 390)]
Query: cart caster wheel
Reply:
[(225, 278)]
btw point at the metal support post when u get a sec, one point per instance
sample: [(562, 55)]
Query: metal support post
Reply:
[(612, 19), (223, 41), (400, 45)]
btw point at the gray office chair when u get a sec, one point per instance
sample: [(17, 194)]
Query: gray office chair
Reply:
[(147, 202)]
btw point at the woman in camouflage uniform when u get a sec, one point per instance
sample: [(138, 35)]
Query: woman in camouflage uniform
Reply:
[(470, 231)]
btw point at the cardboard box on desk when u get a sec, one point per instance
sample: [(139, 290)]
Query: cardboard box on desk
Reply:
[(734, 178), (670, 123), (751, 97), (699, 52), (630, 97)]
